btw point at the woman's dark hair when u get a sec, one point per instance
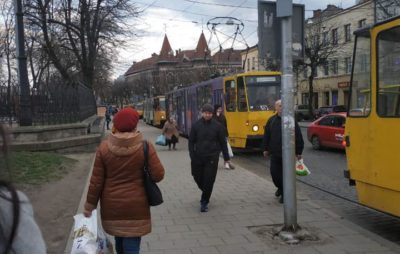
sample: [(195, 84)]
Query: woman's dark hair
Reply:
[(216, 107), (6, 187)]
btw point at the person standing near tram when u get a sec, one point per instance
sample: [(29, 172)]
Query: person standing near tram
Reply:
[(273, 147), (219, 116)]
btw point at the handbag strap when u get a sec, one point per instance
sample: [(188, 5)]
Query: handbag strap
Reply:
[(146, 155)]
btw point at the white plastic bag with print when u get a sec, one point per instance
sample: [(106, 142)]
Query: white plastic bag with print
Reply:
[(89, 238), (230, 152), (301, 168)]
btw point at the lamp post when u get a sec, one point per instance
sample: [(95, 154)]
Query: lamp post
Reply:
[(25, 113)]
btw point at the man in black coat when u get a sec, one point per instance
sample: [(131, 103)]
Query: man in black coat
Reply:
[(206, 140), (273, 147)]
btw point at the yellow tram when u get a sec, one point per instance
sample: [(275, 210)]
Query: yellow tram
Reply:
[(372, 133), (154, 111), (249, 100)]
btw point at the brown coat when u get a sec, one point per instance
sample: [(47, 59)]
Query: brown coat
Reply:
[(169, 130), (117, 181)]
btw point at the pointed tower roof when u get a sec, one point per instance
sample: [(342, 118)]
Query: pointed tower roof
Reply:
[(166, 52), (202, 47)]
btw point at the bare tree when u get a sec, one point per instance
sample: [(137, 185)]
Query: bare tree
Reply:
[(74, 33), (320, 44), (8, 51)]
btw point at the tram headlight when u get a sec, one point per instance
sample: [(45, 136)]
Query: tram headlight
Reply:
[(255, 128), (162, 117)]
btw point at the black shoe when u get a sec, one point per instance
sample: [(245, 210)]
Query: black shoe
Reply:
[(281, 200), (204, 207), (278, 193)]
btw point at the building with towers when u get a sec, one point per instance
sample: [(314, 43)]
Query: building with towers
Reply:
[(170, 68)]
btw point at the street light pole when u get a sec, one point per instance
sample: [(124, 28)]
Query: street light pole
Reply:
[(25, 113), (285, 11)]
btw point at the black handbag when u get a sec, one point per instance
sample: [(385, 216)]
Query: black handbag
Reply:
[(154, 194)]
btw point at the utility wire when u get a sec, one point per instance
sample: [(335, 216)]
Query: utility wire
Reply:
[(223, 5), (187, 12)]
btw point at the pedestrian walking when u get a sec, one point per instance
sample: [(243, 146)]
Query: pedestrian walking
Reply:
[(117, 182), (273, 147), (219, 116), (19, 232), (170, 131), (206, 140), (108, 119)]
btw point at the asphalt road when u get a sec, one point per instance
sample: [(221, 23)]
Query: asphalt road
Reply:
[(327, 186)]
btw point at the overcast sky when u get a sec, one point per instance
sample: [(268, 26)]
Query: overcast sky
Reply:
[(183, 21)]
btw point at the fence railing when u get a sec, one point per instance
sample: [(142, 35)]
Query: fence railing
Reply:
[(50, 104)]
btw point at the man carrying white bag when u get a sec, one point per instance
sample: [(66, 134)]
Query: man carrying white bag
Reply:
[(89, 237)]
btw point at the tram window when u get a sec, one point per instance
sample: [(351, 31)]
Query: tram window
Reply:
[(360, 100), (230, 95), (388, 83), (204, 95), (241, 98)]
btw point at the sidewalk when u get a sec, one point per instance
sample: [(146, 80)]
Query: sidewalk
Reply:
[(240, 203)]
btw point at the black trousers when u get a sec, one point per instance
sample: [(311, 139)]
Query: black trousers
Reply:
[(276, 169), (204, 172)]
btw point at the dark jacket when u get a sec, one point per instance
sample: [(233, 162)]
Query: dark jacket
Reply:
[(273, 137), (207, 138), (222, 120)]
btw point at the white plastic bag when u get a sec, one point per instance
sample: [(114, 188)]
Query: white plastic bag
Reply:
[(89, 237), (301, 168), (230, 152)]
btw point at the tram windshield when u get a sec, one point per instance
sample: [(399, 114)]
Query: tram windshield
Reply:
[(159, 104), (262, 92)]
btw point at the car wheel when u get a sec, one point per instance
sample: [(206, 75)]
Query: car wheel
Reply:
[(316, 144)]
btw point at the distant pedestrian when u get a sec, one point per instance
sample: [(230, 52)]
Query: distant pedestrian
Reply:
[(273, 147), (171, 133), (206, 140), (108, 119), (117, 182), (219, 116), (19, 232)]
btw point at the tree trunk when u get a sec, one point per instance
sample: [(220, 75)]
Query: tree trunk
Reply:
[(311, 93)]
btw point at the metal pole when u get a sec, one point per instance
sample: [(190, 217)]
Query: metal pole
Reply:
[(25, 113), (288, 128)]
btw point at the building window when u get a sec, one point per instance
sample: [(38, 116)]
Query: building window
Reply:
[(254, 63), (248, 64), (325, 39), (335, 66), (305, 73), (316, 72), (326, 68), (347, 64), (347, 32), (362, 23), (334, 36)]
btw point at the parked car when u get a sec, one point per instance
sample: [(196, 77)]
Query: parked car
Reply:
[(301, 112), (329, 109), (327, 131)]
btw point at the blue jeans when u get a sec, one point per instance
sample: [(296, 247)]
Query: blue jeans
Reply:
[(127, 245)]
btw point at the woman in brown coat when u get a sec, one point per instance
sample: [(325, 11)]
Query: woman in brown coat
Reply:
[(117, 181), (171, 133)]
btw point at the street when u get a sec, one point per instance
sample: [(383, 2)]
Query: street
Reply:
[(327, 186)]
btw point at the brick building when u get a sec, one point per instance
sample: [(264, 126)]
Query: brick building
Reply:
[(162, 72)]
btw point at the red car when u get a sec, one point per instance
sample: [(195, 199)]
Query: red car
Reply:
[(327, 131)]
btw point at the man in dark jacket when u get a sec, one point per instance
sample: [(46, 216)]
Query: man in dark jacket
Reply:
[(206, 140), (273, 147)]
